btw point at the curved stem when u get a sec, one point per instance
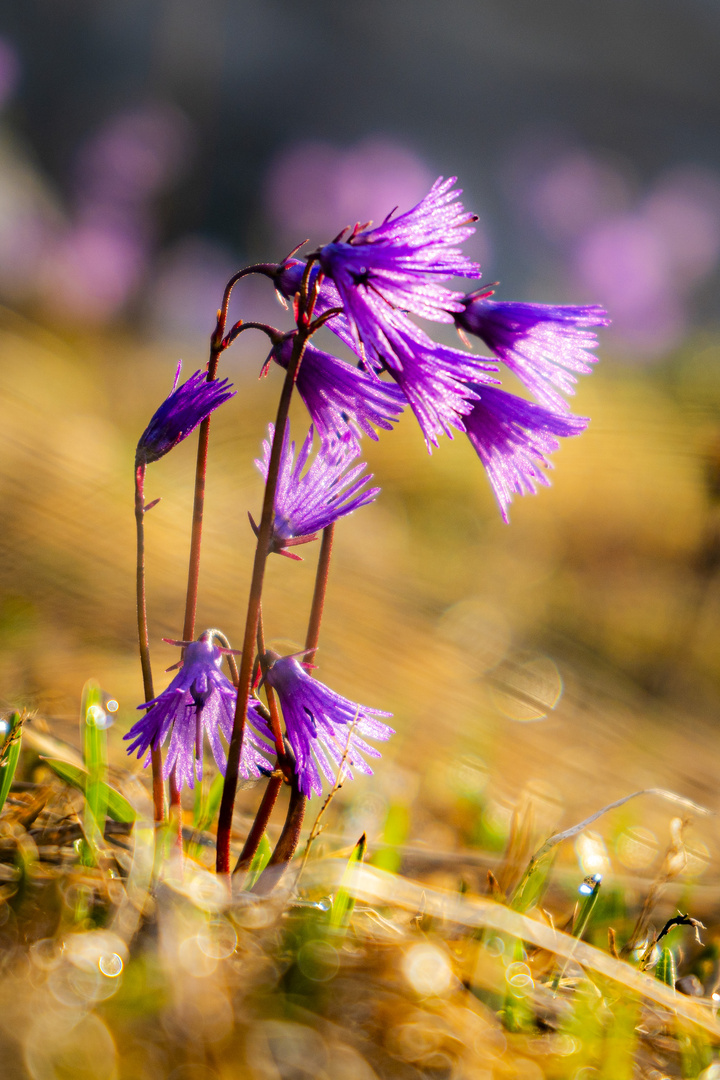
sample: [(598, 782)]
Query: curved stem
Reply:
[(241, 327), (268, 269), (143, 639)]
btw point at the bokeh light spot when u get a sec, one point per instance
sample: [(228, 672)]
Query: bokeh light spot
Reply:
[(318, 961), (111, 965), (526, 689), (427, 969), (637, 847)]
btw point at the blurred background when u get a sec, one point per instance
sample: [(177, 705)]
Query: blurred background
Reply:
[(149, 149)]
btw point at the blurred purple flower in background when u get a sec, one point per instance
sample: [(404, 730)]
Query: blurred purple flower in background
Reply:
[(10, 71), (92, 267), (198, 703), (307, 503), (188, 278), (643, 254), (513, 437), (181, 412), (319, 724), (311, 186)]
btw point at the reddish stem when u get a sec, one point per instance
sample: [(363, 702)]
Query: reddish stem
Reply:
[(290, 835), (275, 782), (260, 823), (304, 310), (143, 639), (253, 613), (318, 601), (287, 843)]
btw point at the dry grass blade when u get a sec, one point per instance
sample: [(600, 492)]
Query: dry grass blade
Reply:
[(375, 886), (567, 834)]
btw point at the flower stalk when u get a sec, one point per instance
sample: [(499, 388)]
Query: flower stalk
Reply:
[(290, 835), (306, 327), (159, 804)]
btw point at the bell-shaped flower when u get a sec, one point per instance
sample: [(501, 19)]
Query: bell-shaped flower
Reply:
[(199, 703), (342, 400), (181, 412), (323, 728), (398, 266), (308, 501), (433, 378), (542, 344), (512, 438)]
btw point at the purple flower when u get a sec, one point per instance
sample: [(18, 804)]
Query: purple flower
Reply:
[(341, 399), (180, 413), (540, 343), (433, 378), (328, 490), (321, 725), (199, 701), (398, 266), (512, 438)]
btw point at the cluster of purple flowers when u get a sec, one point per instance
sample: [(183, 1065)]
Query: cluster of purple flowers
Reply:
[(376, 280), (381, 276)]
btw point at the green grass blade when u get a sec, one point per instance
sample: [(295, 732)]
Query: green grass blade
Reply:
[(94, 738), (395, 833), (260, 860), (586, 905), (665, 968), (10, 754), (211, 804), (118, 808), (343, 903)]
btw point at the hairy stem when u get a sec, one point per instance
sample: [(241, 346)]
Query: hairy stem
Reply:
[(143, 639), (217, 346), (188, 633)]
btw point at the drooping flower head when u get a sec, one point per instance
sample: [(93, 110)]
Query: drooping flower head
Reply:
[(398, 266), (342, 400), (198, 703), (541, 343), (379, 276), (181, 412), (436, 379), (512, 438), (433, 378), (321, 725), (307, 502)]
